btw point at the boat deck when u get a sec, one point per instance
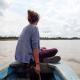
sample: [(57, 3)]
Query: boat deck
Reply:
[(62, 71)]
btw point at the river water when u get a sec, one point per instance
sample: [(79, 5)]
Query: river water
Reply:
[(69, 50)]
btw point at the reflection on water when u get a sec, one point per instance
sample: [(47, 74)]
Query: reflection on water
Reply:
[(69, 50), (74, 60)]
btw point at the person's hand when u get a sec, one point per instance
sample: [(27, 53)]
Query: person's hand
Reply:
[(37, 68)]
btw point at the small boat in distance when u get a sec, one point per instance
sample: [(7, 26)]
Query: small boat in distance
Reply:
[(60, 71)]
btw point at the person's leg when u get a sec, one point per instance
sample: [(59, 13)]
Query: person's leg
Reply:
[(47, 53), (53, 59)]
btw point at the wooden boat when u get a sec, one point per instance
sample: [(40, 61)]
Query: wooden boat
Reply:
[(60, 71)]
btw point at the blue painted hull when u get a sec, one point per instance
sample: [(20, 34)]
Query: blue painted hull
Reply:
[(60, 72), (5, 72)]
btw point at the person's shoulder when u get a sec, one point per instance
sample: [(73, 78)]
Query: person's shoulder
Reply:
[(31, 28), (35, 29), (27, 27)]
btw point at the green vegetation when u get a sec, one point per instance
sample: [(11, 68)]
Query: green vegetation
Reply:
[(42, 38), (8, 38), (60, 38)]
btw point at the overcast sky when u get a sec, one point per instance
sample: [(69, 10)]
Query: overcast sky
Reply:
[(57, 17)]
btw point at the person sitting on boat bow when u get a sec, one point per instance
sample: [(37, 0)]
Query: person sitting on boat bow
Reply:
[(28, 50)]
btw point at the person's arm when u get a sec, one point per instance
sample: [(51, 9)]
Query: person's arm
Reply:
[(35, 47), (36, 59), (36, 55)]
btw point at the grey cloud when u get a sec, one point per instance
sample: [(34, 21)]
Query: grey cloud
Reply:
[(2, 6)]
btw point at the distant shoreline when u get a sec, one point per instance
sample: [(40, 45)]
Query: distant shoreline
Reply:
[(42, 38)]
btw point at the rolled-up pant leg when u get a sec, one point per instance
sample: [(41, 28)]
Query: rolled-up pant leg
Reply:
[(47, 53)]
